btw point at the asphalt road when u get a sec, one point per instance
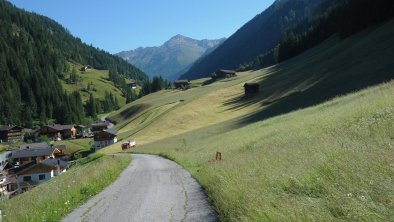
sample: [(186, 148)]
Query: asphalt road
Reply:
[(150, 189)]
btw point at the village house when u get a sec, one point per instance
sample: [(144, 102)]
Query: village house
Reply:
[(10, 134), (34, 173), (251, 88), (223, 73), (35, 152), (182, 84), (104, 138), (132, 85), (8, 184), (99, 126), (84, 68), (58, 132)]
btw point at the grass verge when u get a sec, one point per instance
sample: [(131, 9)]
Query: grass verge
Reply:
[(330, 162), (56, 198)]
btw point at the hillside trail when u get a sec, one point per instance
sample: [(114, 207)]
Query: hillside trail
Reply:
[(150, 189)]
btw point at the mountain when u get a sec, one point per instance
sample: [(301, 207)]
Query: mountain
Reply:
[(257, 36), (35, 53), (172, 58)]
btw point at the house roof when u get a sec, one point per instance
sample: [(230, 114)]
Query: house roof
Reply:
[(24, 167), (251, 84), (102, 123), (31, 153), (182, 81), (111, 131), (55, 162), (225, 71), (34, 146), (59, 127), (7, 128)]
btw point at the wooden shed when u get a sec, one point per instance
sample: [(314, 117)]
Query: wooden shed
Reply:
[(182, 84), (251, 88), (223, 73)]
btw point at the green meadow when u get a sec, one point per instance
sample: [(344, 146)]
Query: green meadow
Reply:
[(316, 144), (99, 84)]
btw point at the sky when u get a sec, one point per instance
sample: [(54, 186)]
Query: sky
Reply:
[(120, 25)]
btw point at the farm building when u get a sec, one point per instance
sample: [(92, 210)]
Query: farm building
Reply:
[(104, 138), (35, 152), (99, 126), (132, 85), (182, 84), (251, 88), (11, 133), (58, 132), (8, 184), (223, 73), (35, 173)]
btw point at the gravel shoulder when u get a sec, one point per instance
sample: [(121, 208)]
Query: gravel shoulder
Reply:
[(150, 189)]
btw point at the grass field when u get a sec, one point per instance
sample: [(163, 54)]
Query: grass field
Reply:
[(288, 154), (99, 79), (56, 198), (73, 146)]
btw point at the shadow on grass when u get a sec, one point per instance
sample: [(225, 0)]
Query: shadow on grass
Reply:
[(133, 110), (324, 89)]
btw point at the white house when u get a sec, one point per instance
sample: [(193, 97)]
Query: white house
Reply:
[(33, 174)]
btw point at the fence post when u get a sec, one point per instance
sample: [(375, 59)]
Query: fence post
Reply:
[(218, 156)]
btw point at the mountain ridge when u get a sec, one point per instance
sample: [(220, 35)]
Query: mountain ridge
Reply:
[(171, 58)]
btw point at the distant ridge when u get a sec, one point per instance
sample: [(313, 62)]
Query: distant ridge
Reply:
[(172, 58)]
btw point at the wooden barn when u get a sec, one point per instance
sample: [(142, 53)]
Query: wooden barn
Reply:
[(58, 132), (132, 85), (99, 126), (11, 133), (182, 84), (104, 138), (251, 88), (223, 73)]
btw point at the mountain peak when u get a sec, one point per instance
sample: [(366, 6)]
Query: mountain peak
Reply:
[(173, 57)]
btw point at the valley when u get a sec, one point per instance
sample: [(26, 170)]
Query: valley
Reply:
[(303, 130)]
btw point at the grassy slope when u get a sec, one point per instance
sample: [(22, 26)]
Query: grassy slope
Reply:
[(56, 198), (100, 81), (332, 161)]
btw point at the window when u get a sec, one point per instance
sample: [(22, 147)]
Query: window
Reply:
[(27, 178), (41, 177)]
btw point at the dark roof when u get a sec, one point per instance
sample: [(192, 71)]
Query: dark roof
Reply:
[(55, 162), (225, 71), (182, 81), (34, 146), (101, 123), (251, 84), (31, 153), (24, 167), (111, 131), (59, 127), (7, 128)]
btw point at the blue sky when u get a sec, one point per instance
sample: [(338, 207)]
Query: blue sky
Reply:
[(119, 25)]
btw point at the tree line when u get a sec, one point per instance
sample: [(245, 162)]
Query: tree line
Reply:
[(344, 18), (34, 53)]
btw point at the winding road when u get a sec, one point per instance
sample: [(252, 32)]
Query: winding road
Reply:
[(150, 189)]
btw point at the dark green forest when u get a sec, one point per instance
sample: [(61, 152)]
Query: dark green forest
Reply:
[(34, 54), (258, 36), (344, 18)]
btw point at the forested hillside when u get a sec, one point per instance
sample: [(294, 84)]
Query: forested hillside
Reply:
[(35, 52), (345, 18), (257, 36)]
